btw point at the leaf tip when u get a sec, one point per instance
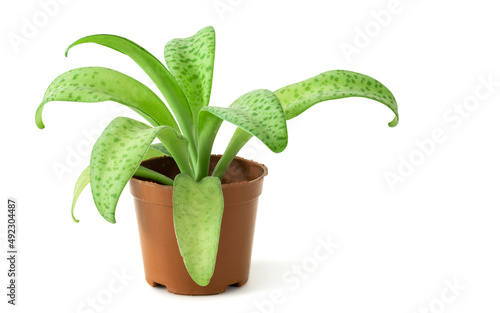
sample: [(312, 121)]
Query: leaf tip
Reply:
[(38, 116), (40, 124), (394, 122), (110, 217), (67, 50), (202, 281)]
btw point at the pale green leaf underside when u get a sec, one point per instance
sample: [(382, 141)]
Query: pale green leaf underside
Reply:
[(297, 98), (258, 112), (198, 208), (97, 84), (191, 61), (116, 156), (156, 150)]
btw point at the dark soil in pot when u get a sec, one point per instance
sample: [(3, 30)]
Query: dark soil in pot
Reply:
[(163, 264)]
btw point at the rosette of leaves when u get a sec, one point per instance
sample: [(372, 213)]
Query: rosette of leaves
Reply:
[(186, 129)]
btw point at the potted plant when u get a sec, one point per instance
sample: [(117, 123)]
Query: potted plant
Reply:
[(196, 211)]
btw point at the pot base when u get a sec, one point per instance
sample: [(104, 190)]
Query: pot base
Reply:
[(204, 292)]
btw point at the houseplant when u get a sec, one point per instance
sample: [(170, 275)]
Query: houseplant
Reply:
[(194, 189)]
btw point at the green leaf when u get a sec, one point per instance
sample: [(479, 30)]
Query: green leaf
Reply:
[(97, 84), (155, 70), (149, 173), (156, 150), (198, 208), (258, 112), (239, 139), (118, 153), (191, 61), (81, 183), (297, 98)]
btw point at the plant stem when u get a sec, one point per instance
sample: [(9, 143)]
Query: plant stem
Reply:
[(239, 139), (207, 133), (147, 173), (180, 154)]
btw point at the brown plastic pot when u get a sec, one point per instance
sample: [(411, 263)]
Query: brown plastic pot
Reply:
[(163, 264)]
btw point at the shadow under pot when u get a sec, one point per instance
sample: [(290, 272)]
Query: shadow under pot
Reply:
[(163, 263)]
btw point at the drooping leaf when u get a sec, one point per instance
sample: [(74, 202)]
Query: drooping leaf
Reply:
[(191, 61), (118, 153), (97, 84), (155, 70), (258, 112), (198, 208), (298, 97), (82, 181), (156, 150)]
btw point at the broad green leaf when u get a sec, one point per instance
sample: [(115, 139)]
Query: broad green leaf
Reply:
[(297, 98), (97, 84), (258, 112), (118, 153), (198, 208), (156, 150), (155, 70), (191, 61)]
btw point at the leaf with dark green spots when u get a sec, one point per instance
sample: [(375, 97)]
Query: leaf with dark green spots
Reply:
[(297, 98), (258, 112), (156, 150), (198, 208), (191, 61), (118, 153), (98, 84), (155, 70)]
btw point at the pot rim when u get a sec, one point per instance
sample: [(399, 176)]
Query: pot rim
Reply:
[(265, 172)]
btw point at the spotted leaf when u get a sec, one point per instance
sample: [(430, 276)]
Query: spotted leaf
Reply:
[(158, 73), (118, 153), (98, 84), (297, 98), (156, 150), (258, 112), (198, 208), (191, 61)]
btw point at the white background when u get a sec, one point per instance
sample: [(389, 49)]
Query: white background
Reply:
[(400, 248)]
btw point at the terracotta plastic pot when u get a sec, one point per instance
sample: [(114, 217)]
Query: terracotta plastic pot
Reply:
[(163, 264)]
